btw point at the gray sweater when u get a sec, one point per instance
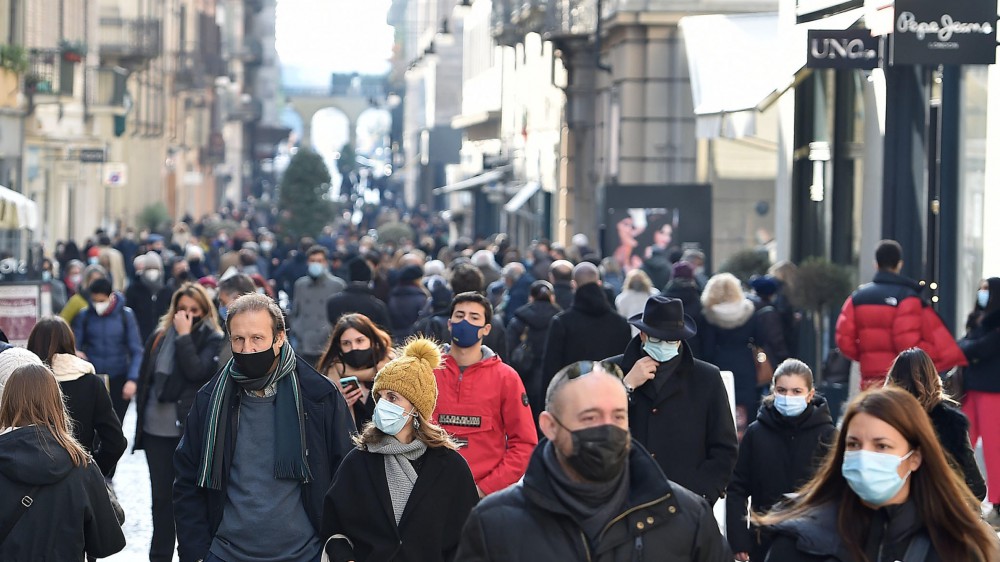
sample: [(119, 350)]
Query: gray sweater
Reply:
[(308, 315)]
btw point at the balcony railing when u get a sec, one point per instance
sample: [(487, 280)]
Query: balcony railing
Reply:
[(49, 74), (244, 108), (513, 19), (196, 71), (129, 39), (501, 22), (250, 52), (566, 18), (107, 87)]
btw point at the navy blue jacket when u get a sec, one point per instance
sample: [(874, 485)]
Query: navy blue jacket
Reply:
[(405, 304), (112, 341), (198, 511), (981, 346), (517, 296)]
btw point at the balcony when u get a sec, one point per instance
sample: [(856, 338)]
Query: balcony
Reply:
[(107, 89), (129, 42), (197, 71), (529, 15), (570, 18), (251, 52), (244, 108), (48, 74)]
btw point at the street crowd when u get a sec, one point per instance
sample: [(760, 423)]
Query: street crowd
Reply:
[(345, 398)]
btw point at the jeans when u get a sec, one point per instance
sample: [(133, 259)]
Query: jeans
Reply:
[(160, 458)]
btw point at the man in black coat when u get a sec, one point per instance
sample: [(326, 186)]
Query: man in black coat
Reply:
[(589, 329), (147, 295), (678, 407), (358, 297), (612, 503), (561, 276)]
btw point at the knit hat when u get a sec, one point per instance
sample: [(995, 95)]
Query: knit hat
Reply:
[(683, 270), (765, 285), (13, 358), (412, 376), (358, 270), (411, 273)]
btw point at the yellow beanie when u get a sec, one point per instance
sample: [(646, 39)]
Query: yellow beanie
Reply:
[(412, 375)]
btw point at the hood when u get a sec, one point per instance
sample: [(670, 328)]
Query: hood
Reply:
[(68, 367), (729, 315), (591, 300), (31, 456), (537, 315), (817, 414)]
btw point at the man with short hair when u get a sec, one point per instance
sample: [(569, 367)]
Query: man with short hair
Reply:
[(561, 277), (482, 401), (887, 316), (678, 405), (307, 318), (230, 289), (589, 329), (466, 277), (358, 297), (590, 491), (517, 282), (254, 490)]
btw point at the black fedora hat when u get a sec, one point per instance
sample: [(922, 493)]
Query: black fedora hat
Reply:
[(664, 318)]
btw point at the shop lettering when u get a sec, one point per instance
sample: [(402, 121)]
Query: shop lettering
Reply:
[(828, 48), (948, 27)]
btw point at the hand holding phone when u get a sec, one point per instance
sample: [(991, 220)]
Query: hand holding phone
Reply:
[(349, 384)]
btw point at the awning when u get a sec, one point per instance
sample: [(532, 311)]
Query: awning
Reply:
[(521, 197), (17, 211), (741, 64), (473, 182)]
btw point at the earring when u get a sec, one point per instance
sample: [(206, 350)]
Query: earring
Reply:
[(416, 422)]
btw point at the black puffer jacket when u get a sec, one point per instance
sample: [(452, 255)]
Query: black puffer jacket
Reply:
[(71, 514), (777, 455), (952, 428), (981, 344), (660, 521), (589, 329), (531, 322)]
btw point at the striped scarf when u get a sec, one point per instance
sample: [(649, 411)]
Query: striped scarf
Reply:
[(290, 442)]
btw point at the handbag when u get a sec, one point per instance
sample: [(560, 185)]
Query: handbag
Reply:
[(522, 357), (762, 364), (115, 504)]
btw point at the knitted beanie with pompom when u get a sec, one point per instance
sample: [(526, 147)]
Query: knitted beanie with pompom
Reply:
[(411, 375)]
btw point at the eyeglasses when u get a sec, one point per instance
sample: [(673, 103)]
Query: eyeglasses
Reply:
[(651, 339), (580, 368)]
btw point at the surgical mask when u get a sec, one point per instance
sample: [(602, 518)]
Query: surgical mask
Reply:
[(599, 453), (265, 247), (874, 477), (662, 351), (983, 297), (93, 261), (315, 270), (101, 307), (75, 279), (255, 365), (359, 358), (790, 406), (464, 333), (151, 275), (46, 276), (389, 418), (223, 312)]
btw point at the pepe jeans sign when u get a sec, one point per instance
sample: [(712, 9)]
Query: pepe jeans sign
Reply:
[(851, 48), (944, 32)]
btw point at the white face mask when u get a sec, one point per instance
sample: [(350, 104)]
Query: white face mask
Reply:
[(151, 275), (101, 307)]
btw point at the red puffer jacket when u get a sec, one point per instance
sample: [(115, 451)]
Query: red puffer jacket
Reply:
[(486, 410)]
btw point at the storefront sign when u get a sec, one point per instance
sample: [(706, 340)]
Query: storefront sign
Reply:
[(936, 32), (22, 305), (850, 48)]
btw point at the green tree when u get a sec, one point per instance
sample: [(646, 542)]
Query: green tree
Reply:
[(745, 264), (305, 209)]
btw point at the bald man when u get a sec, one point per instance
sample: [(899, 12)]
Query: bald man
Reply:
[(588, 329), (590, 492)]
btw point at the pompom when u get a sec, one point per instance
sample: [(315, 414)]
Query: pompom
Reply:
[(424, 350)]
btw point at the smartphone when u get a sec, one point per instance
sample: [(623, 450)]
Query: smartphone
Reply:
[(349, 383)]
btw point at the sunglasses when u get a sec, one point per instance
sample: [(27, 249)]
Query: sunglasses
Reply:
[(580, 368)]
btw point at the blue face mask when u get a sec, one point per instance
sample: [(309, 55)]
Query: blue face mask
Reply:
[(464, 333), (662, 351), (223, 312), (389, 418), (983, 297), (873, 476), (46, 276), (315, 269), (790, 406)]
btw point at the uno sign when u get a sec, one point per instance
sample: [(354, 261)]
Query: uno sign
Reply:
[(940, 32), (852, 48)]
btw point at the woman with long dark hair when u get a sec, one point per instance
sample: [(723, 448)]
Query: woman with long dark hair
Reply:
[(884, 490), (357, 348), (69, 514), (913, 371)]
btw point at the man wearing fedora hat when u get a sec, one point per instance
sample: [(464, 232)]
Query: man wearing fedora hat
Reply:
[(678, 406)]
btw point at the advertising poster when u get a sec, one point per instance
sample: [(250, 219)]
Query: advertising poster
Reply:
[(642, 219), (20, 309)]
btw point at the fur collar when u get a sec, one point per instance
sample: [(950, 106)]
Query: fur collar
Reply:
[(729, 315)]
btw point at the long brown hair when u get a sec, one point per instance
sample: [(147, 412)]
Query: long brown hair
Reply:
[(381, 341), (32, 397), (946, 507), (914, 371), (51, 335), (200, 296)]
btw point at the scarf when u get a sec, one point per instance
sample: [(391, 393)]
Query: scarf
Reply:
[(290, 443), (68, 367), (399, 473), (593, 504), (164, 366)]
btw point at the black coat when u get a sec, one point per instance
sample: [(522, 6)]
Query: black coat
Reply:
[(360, 299), (777, 455), (198, 511), (659, 518), (71, 514), (952, 428), (358, 507), (688, 426), (405, 304), (532, 322), (981, 346), (89, 406), (590, 329), (563, 293), (815, 538), (196, 359), (771, 331), (727, 346)]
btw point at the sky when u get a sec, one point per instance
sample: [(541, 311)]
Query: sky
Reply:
[(318, 37)]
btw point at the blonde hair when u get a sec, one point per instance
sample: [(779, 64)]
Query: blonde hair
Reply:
[(199, 295), (722, 287), (638, 280)]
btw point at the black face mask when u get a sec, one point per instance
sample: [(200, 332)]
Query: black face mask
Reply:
[(599, 453), (359, 358), (255, 365), (195, 320)]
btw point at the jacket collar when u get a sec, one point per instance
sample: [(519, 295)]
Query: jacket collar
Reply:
[(890, 278), (591, 300)]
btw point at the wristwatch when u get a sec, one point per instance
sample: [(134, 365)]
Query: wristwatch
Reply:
[(628, 388)]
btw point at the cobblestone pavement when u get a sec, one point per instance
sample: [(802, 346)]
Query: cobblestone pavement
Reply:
[(132, 486)]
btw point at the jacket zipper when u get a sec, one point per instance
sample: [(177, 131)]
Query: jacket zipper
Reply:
[(627, 512), (638, 548), (586, 547), (881, 542)]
